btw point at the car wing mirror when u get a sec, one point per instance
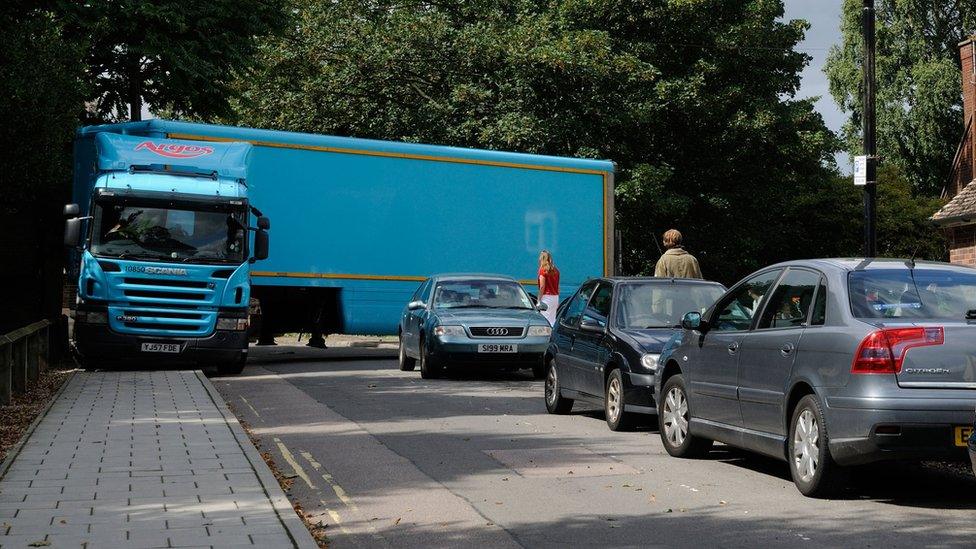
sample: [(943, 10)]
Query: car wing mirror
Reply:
[(591, 325), (415, 305), (692, 321), (542, 306)]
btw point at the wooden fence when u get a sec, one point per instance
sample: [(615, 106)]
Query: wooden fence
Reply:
[(24, 354)]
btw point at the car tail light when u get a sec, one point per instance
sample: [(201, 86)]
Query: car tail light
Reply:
[(883, 351)]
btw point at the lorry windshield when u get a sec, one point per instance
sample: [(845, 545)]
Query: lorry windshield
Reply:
[(166, 232)]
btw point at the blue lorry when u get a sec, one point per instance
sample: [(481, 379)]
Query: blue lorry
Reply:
[(359, 224)]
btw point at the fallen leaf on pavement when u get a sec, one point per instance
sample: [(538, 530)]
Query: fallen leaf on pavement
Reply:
[(397, 521)]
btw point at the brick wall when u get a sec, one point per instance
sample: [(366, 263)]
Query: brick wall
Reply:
[(962, 245), (965, 168)]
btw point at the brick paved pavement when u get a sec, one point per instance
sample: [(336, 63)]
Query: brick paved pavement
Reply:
[(142, 459)]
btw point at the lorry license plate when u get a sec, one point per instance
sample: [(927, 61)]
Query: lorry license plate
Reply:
[(160, 347), (962, 435), (497, 348)]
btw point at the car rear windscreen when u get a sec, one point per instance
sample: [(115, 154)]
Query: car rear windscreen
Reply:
[(918, 293)]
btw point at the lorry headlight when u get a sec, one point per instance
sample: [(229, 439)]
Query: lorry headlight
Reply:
[(91, 317), (238, 324), (448, 331), (540, 331), (649, 361)]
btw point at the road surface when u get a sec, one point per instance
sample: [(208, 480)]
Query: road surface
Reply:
[(388, 459)]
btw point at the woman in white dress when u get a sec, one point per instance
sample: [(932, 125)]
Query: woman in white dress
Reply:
[(548, 285)]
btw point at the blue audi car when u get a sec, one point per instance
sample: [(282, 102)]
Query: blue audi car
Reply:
[(465, 320)]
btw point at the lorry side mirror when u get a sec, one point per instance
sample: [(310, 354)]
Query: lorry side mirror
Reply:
[(71, 210), (72, 232), (261, 244), (264, 223)]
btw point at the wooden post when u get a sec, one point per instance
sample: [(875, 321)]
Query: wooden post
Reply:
[(19, 365), (33, 350), (44, 349), (6, 369)]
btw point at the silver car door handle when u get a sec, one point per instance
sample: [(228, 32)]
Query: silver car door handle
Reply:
[(733, 347), (787, 349)]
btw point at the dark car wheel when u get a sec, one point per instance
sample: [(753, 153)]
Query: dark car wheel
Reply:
[(555, 402), (429, 369), (814, 471), (407, 364), (674, 417), (613, 403), (232, 368)]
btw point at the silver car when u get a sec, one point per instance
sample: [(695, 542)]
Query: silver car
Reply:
[(828, 363)]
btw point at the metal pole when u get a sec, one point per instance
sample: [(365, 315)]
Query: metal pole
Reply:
[(870, 136)]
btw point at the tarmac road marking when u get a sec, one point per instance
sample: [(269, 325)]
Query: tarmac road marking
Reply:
[(285, 453), (252, 408), (327, 477), (335, 518)]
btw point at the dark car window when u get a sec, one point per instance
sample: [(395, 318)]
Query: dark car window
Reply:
[(575, 308), (913, 293), (736, 311), (598, 309), (791, 300), (655, 305), (421, 290), (819, 317)]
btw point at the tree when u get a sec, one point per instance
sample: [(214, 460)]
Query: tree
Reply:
[(919, 94), (42, 100), (691, 99), (170, 54)]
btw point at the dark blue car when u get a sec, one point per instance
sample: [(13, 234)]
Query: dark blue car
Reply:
[(608, 337), (472, 320)]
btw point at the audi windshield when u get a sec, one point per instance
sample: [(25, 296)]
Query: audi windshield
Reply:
[(157, 230), (491, 294)]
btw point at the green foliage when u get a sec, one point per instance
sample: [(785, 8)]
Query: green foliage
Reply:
[(40, 83), (692, 99), (919, 94), (173, 55)]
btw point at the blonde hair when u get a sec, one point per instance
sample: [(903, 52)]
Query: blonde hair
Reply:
[(672, 238), (545, 261)]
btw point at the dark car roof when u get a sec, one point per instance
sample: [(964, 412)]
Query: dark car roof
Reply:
[(861, 264), (657, 280)]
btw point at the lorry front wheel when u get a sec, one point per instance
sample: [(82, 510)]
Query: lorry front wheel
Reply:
[(232, 368)]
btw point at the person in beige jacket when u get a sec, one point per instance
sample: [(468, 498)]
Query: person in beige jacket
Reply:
[(676, 262)]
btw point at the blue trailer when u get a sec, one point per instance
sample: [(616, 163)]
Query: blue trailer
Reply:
[(359, 223)]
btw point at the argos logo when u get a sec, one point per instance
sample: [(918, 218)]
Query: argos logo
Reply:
[(174, 150)]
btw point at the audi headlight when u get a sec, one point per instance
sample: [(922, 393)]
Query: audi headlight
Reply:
[(649, 361), (540, 331), (237, 324), (448, 331)]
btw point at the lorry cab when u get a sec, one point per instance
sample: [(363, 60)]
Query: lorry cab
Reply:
[(163, 243)]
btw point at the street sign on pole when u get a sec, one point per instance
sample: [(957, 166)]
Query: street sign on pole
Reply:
[(861, 170)]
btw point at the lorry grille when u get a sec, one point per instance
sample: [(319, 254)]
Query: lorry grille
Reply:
[(497, 331)]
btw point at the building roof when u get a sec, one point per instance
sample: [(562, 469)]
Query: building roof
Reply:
[(961, 210)]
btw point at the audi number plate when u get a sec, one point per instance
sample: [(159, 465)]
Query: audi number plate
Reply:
[(160, 347), (962, 435), (497, 348)]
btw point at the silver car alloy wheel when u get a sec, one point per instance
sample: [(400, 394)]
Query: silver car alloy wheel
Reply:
[(551, 386), (613, 400), (806, 449), (676, 416)]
